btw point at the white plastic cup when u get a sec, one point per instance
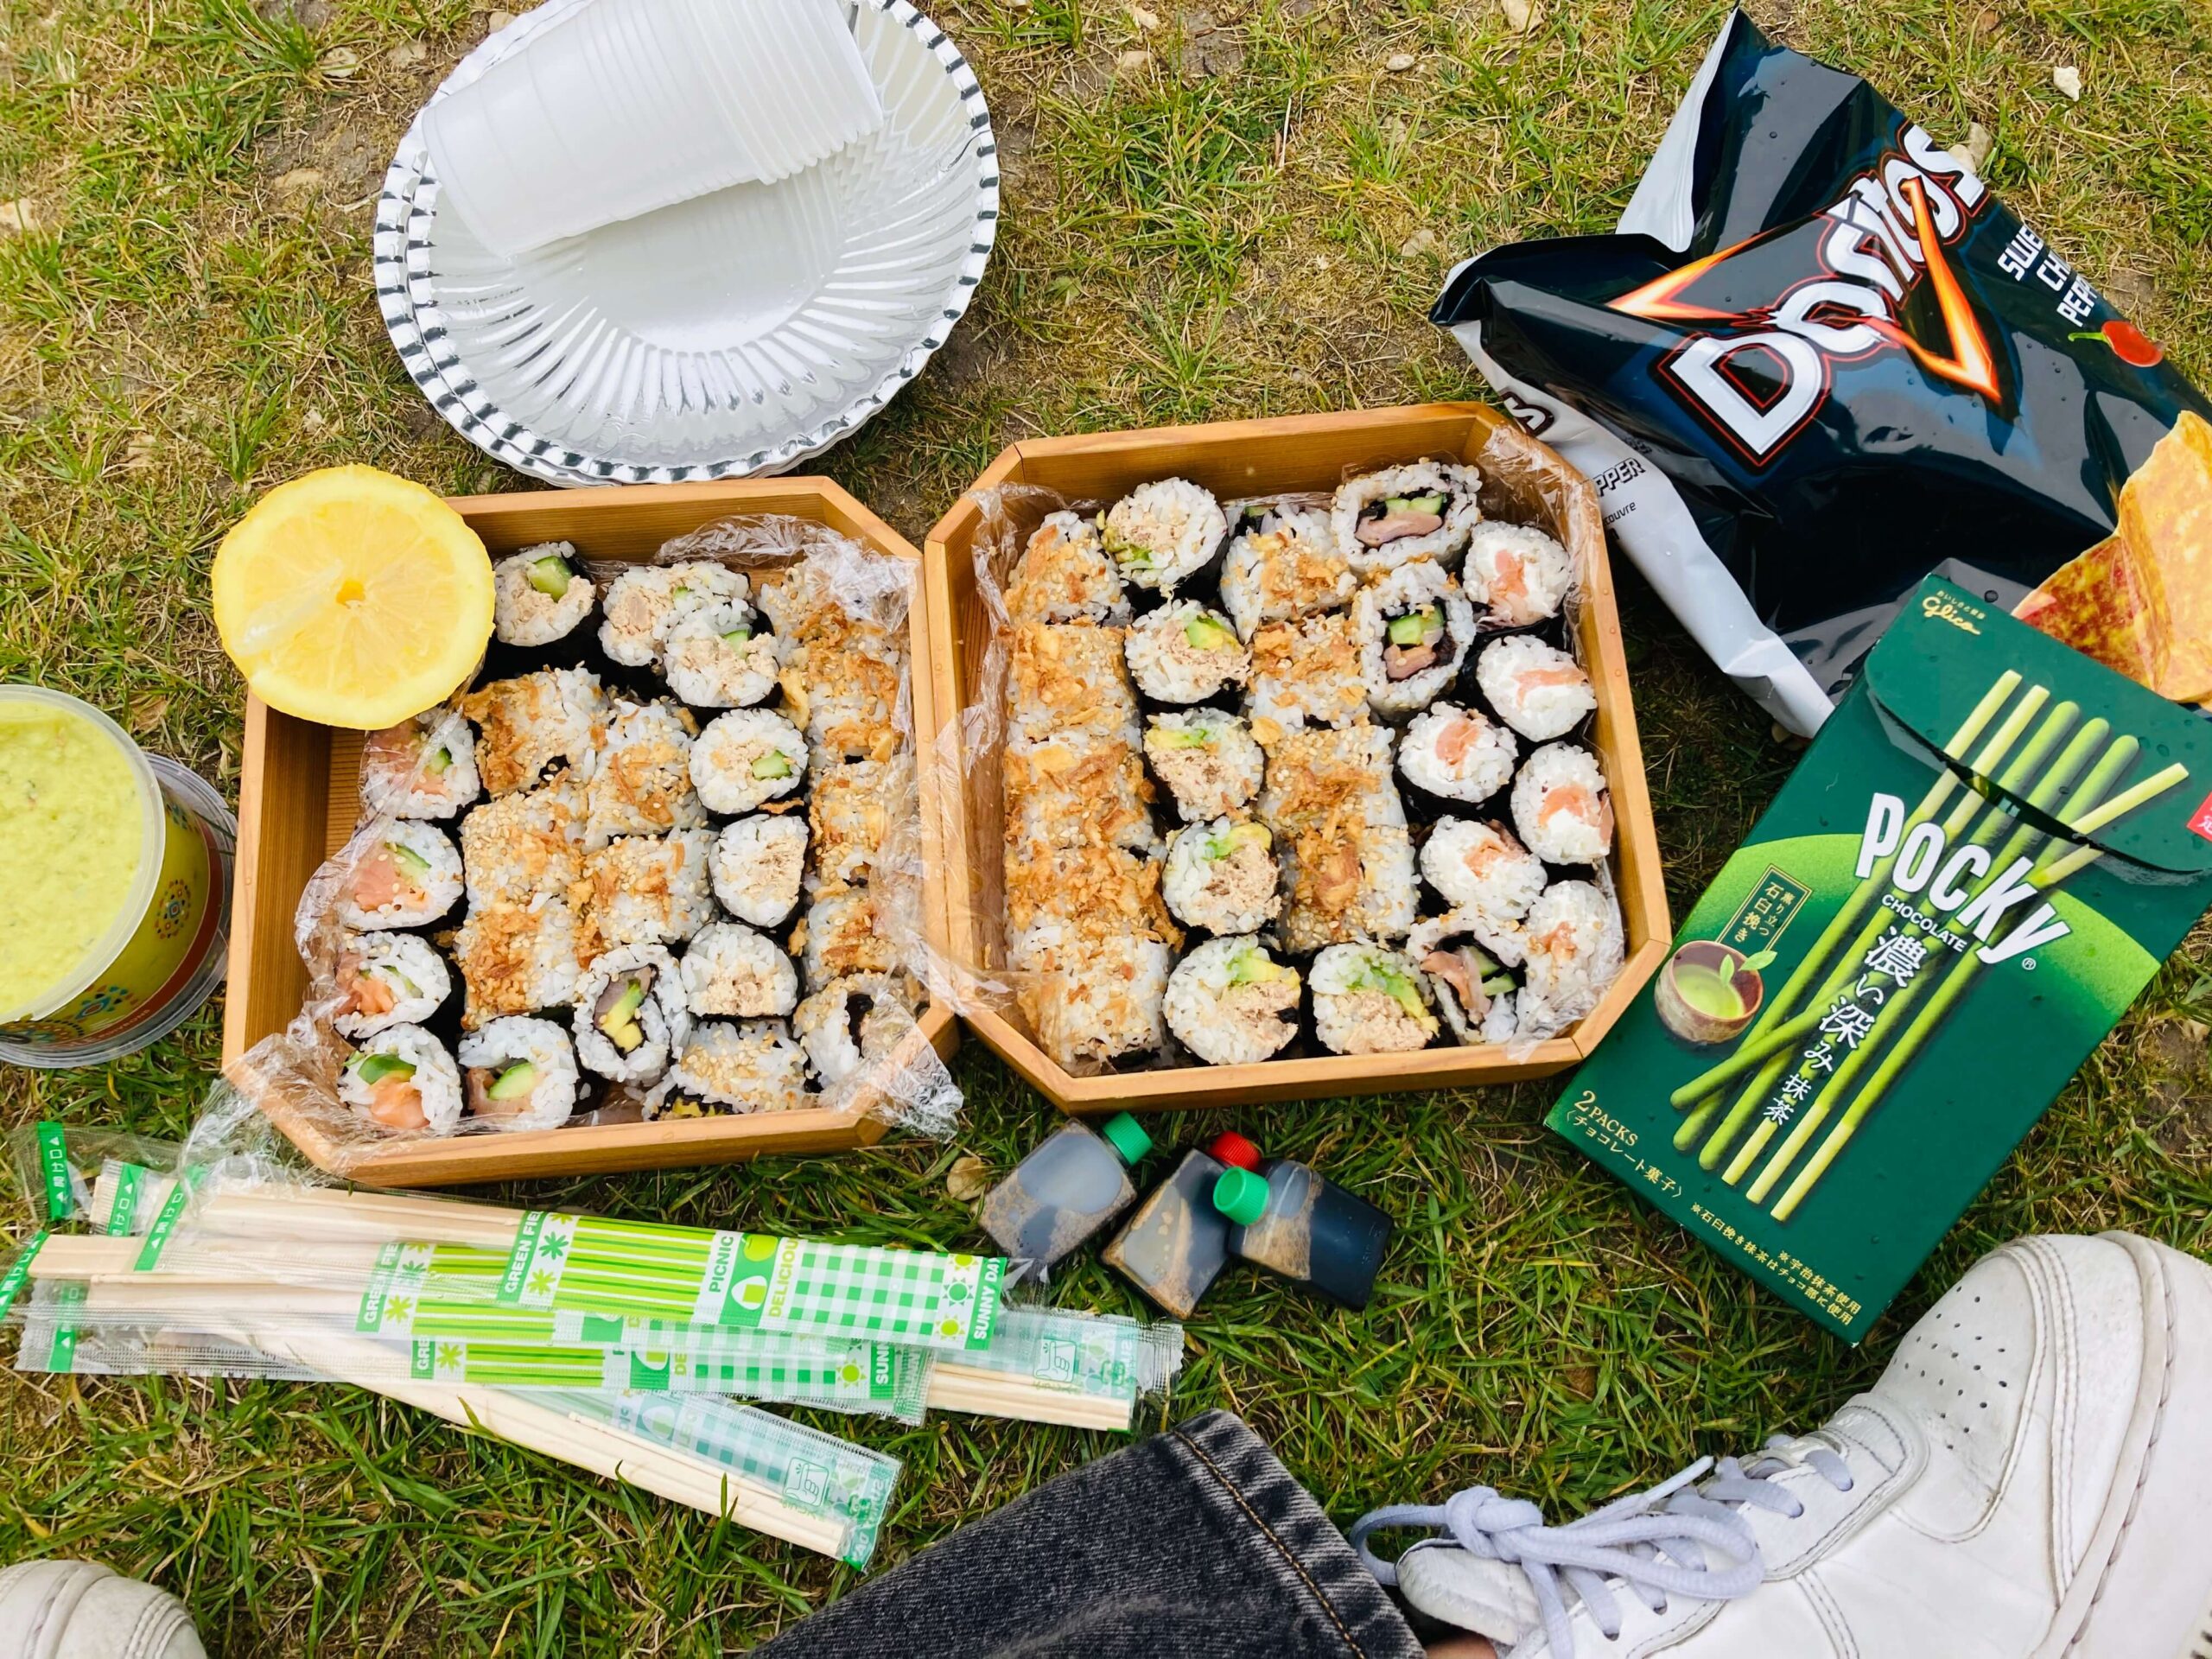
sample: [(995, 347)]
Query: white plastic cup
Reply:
[(622, 106)]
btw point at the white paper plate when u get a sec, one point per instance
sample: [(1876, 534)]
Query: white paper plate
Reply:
[(737, 333)]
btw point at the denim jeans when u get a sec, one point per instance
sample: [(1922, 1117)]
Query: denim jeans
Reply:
[(1193, 1545)]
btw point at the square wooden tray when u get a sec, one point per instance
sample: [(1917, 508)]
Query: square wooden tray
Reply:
[(298, 800), (1522, 480)]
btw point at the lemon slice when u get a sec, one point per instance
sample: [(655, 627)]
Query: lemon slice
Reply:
[(350, 597)]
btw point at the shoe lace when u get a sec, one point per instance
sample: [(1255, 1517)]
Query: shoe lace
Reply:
[(1655, 1543)]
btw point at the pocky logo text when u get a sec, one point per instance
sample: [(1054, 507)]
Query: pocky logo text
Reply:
[(1950, 880)]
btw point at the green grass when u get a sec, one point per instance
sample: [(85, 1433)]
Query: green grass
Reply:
[(189, 320)]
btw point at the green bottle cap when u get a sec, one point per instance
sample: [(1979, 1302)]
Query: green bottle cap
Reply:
[(1241, 1195), (1126, 1136)]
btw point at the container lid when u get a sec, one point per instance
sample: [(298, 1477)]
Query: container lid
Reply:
[(1233, 1149), (70, 981), (1126, 1136), (1241, 1195)]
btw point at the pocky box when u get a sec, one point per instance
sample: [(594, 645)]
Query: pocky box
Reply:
[(1977, 866)]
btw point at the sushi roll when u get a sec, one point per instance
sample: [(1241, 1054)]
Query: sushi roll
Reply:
[(1345, 881), (745, 759), (1413, 627), (1560, 806), (408, 876), (386, 980), (651, 889), (1184, 652), (1521, 574), (403, 1082), (1283, 565), (1306, 673), (644, 602), (1537, 689), (1324, 777), (757, 865), (631, 1014), (1065, 796), (1368, 999), (1456, 755), (1091, 1001), (1069, 683), (1209, 760), (753, 1066), (852, 1022), (847, 696), (539, 595), (519, 1074), (1481, 867), (1230, 1004), (1066, 576), (519, 846), (1222, 877), (422, 768), (641, 783), (720, 658), (852, 808), (1423, 511), (518, 959), (839, 938), (1471, 986), (529, 724), (1163, 533), (1575, 950), (730, 971)]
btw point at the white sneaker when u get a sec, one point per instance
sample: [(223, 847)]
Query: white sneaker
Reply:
[(2031, 1478)]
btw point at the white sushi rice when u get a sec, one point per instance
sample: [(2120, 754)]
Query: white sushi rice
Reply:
[(518, 958), (399, 966), (1184, 652), (1163, 533), (1090, 1001), (753, 1066), (646, 601), (1066, 576), (641, 783), (1230, 1004), (851, 1022), (534, 722), (424, 768), (730, 971), (1479, 867), (1285, 567), (651, 889), (1520, 573), (1575, 951), (1538, 689), (1350, 522), (719, 658), (1368, 999), (1482, 754), (663, 1018), (757, 865), (504, 1044), (1222, 876), (518, 846), (1399, 679), (745, 759), (425, 869), (841, 938), (521, 615), (1209, 760), (1561, 807), (435, 1083)]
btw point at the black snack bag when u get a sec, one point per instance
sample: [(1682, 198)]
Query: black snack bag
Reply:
[(1818, 361)]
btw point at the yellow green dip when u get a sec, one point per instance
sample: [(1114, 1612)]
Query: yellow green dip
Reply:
[(70, 836)]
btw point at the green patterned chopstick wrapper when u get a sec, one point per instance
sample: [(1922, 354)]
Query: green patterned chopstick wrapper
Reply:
[(751, 1282), (1104, 1355), (834, 1374)]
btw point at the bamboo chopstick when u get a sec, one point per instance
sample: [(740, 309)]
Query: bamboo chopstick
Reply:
[(993, 1394)]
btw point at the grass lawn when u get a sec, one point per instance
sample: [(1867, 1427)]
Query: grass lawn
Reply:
[(1232, 211)]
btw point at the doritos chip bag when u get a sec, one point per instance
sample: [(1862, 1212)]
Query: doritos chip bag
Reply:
[(1820, 360)]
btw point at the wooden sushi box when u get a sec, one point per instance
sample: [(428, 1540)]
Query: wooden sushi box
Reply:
[(963, 827), (297, 803)]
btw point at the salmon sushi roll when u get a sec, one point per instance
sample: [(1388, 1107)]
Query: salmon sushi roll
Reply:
[(518, 1073), (386, 980), (1423, 511), (403, 1082), (1518, 572), (1560, 806), (408, 876), (1456, 754), (422, 768), (1537, 690)]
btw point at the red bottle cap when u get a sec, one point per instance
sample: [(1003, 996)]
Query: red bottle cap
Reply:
[(1233, 1149)]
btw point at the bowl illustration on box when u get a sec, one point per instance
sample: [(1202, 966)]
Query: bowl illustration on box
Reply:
[(1708, 991)]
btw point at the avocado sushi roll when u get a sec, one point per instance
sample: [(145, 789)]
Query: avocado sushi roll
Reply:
[(1423, 511), (1537, 689), (518, 958), (1368, 999), (730, 971), (386, 980), (1519, 573), (408, 876), (745, 759), (1162, 534), (631, 1014), (641, 782), (851, 1022), (1209, 760), (1230, 1004), (519, 1074), (1066, 576), (1283, 565), (422, 768), (1184, 653), (722, 658), (1480, 866), (403, 1082), (750, 1066), (1470, 985), (1222, 876), (540, 595), (1456, 754), (757, 865), (1560, 806), (651, 889), (532, 724)]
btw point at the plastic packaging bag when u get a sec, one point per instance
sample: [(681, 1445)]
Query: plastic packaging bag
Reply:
[(60, 1168), (1820, 360)]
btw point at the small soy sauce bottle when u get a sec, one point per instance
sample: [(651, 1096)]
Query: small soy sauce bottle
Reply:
[(1177, 1243), (1067, 1189), (1286, 1218)]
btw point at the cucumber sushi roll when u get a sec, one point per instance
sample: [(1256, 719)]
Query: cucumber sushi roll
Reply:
[(421, 768), (1209, 760), (721, 658), (757, 865), (631, 1014), (1414, 626), (1070, 682), (1575, 950), (1066, 576), (1091, 1000), (1456, 754), (1230, 1004), (651, 889), (518, 959), (519, 1074), (523, 846), (386, 980), (850, 1022), (1423, 511), (540, 595), (1560, 806), (529, 724), (1307, 673), (1537, 689), (641, 783), (408, 876), (1479, 867), (1184, 652), (1222, 877), (1470, 985), (1282, 565), (1521, 574), (1163, 533), (646, 601), (402, 1081), (1368, 999), (730, 971), (840, 938), (750, 1067), (745, 759), (850, 809)]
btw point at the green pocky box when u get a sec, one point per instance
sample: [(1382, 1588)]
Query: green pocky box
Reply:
[(1981, 861)]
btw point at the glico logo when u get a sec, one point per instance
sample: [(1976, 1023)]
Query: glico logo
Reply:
[(1757, 383)]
